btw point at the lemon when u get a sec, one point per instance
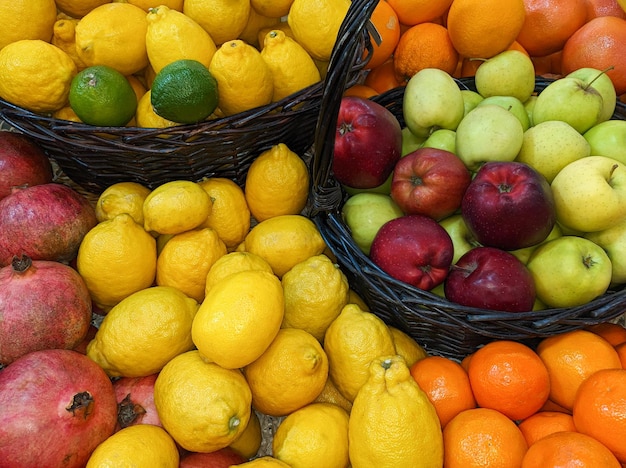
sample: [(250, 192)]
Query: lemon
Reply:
[(272, 8), (35, 75), (315, 24), (146, 117), (79, 8), (186, 259), (292, 67), (184, 91), (234, 262), (249, 441), (282, 26), (116, 258), (175, 207), (140, 446), (66, 113), (392, 422), (113, 34), (264, 462), (239, 318), (407, 347), (330, 394), (230, 215), (122, 197), (243, 78), (354, 298), (284, 241), (316, 435), (352, 341), (316, 290), (27, 19), (224, 20), (174, 36), (277, 183), (138, 86), (203, 406), (255, 23), (64, 37), (147, 4), (289, 374)]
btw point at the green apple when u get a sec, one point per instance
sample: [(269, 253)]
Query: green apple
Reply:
[(613, 241), (608, 139), (512, 104), (442, 139), (569, 271), (601, 82), (462, 239), (470, 99), (488, 133), (365, 213), (524, 254), (570, 100), (432, 100), (550, 146), (529, 105), (384, 188), (410, 142), (509, 73), (590, 194)]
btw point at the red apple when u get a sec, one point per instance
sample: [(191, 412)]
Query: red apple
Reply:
[(368, 143), (509, 205), (491, 278), (22, 162), (429, 181), (414, 249), (222, 458)]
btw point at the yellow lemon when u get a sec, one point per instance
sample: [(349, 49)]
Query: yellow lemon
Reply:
[(66, 113), (264, 462), (35, 75), (272, 8), (239, 318), (256, 22), (147, 118), (315, 24), (113, 34), (144, 332), (243, 78), (282, 26), (122, 197), (292, 67), (316, 290), (330, 394), (249, 441), (79, 8), (230, 215), (407, 347), (224, 20), (138, 86), (147, 4), (352, 341), (277, 183), (186, 259), (289, 374), (64, 37), (392, 422), (314, 435), (234, 262), (140, 446), (354, 298), (116, 258), (203, 406), (175, 207), (26, 19), (284, 241)]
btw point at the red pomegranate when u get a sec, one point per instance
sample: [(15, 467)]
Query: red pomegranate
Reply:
[(45, 222), (135, 401), (43, 305), (56, 406)]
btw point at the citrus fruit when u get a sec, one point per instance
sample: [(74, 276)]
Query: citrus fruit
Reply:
[(145, 116), (330, 394), (79, 8), (360, 90), (147, 4), (27, 19), (257, 22), (387, 24), (383, 77), (234, 262), (271, 8), (614, 333), (407, 347), (224, 20), (266, 461), (544, 423), (64, 37), (250, 439), (122, 197), (412, 12)]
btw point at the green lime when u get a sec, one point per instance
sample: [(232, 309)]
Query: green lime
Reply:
[(184, 91), (102, 96)]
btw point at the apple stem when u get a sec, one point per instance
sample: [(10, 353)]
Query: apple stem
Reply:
[(588, 261), (613, 167), (599, 75)]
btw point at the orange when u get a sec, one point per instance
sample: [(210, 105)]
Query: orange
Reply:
[(386, 22), (425, 45), (481, 437), (600, 44), (552, 406), (544, 423), (600, 409), (621, 352), (614, 333), (360, 91), (465, 361), (569, 449), (571, 357), (548, 64), (383, 77), (597, 8), (446, 384), (509, 377), (412, 12), (549, 23), (484, 28)]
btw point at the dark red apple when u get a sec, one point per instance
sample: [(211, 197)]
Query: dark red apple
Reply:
[(509, 205), (491, 278), (135, 401), (222, 458), (414, 249), (430, 181), (22, 162), (368, 143)]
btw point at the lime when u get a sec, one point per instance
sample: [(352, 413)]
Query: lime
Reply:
[(184, 91), (102, 96)]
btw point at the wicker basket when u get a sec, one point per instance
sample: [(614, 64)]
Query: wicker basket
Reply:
[(442, 327), (96, 157)]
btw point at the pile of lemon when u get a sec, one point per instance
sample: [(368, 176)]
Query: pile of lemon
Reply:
[(159, 63)]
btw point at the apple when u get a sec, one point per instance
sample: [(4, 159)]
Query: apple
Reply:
[(529, 105), (512, 104), (490, 278), (590, 194), (488, 133), (524, 253), (613, 241), (570, 271), (550, 146), (429, 181), (508, 205), (365, 213), (601, 82), (462, 239), (413, 249), (222, 458), (432, 99), (368, 143), (509, 73), (22, 162), (442, 139), (571, 100), (471, 99), (410, 142), (608, 139)]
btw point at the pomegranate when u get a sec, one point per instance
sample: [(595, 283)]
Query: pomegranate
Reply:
[(135, 401), (56, 406), (22, 162), (222, 458), (91, 333), (45, 222), (43, 305)]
